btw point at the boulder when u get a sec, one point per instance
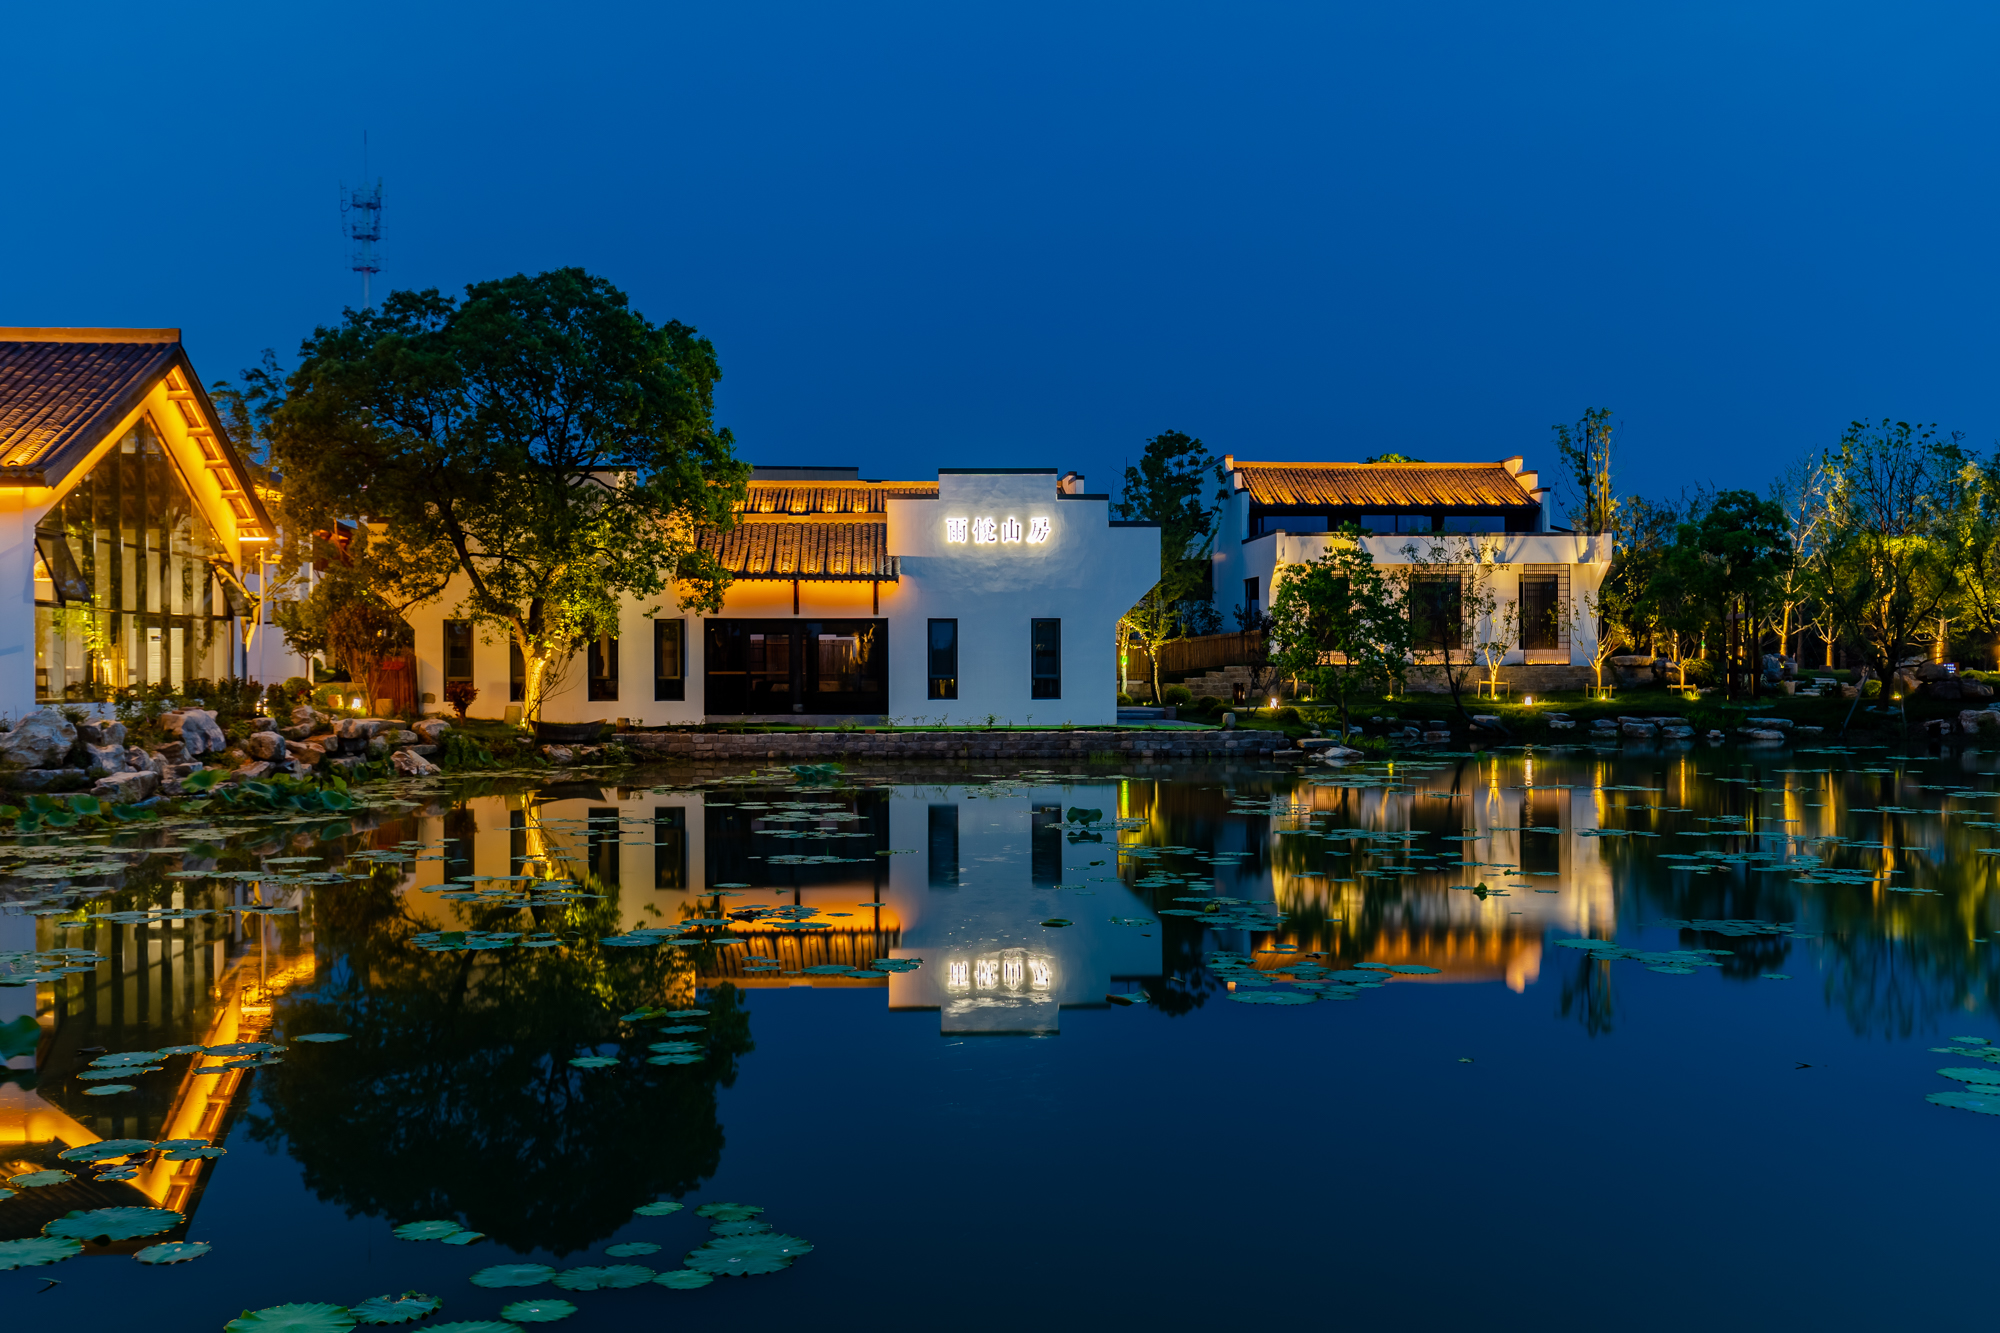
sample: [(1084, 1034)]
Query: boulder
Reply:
[(1769, 723), (1561, 724), (1436, 737), (105, 759), (253, 772), (1903, 683), (558, 754), (305, 752), (298, 732), (170, 722), (48, 779), (1948, 688), (1676, 733), (201, 734), (1968, 688), (433, 730), (306, 715), (265, 745), (1636, 728), (39, 740), (413, 765), (1850, 691), (101, 733), (1761, 734), (1713, 737), (357, 728), (398, 739), (378, 748), (1930, 671), (262, 723), (125, 788), (1969, 719), (346, 765)]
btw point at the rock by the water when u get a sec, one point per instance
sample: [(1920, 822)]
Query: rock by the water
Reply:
[(558, 754), (1968, 688), (413, 765), (125, 788), (298, 732), (39, 740), (201, 734), (48, 779), (253, 772), (101, 733), (104, 759), (432, 730), (267, 745), (262, 723)]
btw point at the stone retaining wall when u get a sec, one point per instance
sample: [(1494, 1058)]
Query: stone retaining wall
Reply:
[(1533, 678), (1076, 746)]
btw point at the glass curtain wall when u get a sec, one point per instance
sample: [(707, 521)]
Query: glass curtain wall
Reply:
[(126, 592)]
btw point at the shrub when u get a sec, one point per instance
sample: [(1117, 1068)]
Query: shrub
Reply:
[(460, 694), (1178, 694), (1124, 699)]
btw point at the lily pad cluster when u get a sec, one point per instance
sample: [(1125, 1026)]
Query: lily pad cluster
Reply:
[(1981, 1082)]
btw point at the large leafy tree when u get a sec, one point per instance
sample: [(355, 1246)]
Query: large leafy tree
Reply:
[(1338, 624), (1885, 562), (1728, 561), (538, 437), (1178, 485), (1453, 604)]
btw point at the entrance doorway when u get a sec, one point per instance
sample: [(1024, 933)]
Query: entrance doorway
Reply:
[(821, 666)]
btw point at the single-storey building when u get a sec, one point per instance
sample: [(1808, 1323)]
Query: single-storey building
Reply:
[(987, 592), (132, 535), (1279, 514)]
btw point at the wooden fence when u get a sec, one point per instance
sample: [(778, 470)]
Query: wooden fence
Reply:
[(1186, 657)]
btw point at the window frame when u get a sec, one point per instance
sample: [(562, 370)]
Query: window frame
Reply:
[(600, 685), (941, 686), (1039, 684), (670, 689), (465, 627)]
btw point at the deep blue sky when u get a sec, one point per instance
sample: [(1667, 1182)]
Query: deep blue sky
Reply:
[(950, 234)]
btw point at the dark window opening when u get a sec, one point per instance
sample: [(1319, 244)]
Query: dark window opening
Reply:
[(1539, 627), (942, 866), (669, 660), (670, 849), (1046, 660), (457, 650), (517, 673), (821, 666), (1435, 619), (603, 667), (944, 659), (1250, 594)]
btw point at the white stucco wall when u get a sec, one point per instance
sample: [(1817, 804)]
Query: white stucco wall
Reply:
[(1087, 573)]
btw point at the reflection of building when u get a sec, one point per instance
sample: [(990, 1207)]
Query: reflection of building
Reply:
[(194, 981), (135, 529), (992, 591)]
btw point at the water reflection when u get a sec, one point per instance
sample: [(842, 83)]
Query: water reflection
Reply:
[(1007, 901)]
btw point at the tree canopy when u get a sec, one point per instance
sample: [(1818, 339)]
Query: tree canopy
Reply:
[(538, 437)]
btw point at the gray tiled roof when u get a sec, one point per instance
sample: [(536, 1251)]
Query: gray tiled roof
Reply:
[(61, 390)]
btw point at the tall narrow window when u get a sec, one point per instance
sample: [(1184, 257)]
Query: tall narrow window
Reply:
[(457, 650), (1046, 659), (942, 864), (670, 848), (1538, 611), (669, 660), (1435, 612), (1250, 596), (517, 673), (603, 663), (944, 659)]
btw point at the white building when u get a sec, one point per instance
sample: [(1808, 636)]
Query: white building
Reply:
[(132, 535), (988, 592), (1279, 514)]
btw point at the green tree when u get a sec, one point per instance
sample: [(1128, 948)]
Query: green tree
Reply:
[(1727, 562), (1886, 562), (1339, 625), (538, 437), (1178, 485), (1585, 450), (1448, 587)]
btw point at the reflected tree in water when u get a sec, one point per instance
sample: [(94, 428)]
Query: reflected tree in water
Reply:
[(454, 1097)]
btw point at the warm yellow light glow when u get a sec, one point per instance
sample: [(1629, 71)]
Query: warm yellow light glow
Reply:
[(1274, 701), (253, 539), (1529, 701)]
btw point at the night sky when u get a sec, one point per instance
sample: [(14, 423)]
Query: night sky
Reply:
[(1018, 235)]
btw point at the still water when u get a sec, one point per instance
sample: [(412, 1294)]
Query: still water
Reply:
[(1035, 1050)]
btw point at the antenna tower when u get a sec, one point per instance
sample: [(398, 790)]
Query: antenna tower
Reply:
[(361, 222)]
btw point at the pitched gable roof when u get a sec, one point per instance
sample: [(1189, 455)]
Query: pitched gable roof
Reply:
[(1384, 485), (63, 391)]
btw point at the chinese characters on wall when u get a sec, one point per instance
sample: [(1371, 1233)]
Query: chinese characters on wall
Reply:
[(992, 531)]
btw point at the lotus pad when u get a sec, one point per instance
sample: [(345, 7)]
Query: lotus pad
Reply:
[(610, 1277), (404, 1309), (476, 1326), (107, 1089), (28, 1180), (594, 1061), (106, 1150), (743, 1256), (323, 1036), (631, 1249), (728, 1212), (659, 1209), (292, 1319), (173, 1252), (1990, 1074), (1270, 997), (1986, 1103), (427, 1230), (115, 1223), (513, 1275), (684, 1279), (36, 1251), (537, 1312)]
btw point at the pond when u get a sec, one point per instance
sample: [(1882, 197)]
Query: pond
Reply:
[(1639, 1037)]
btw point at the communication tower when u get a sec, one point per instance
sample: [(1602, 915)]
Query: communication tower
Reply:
[(361, 222)]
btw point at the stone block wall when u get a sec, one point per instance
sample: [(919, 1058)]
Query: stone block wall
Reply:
[(1072, 746)]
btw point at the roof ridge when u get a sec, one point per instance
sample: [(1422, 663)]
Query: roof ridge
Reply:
[(60, 335), (1495, 462)]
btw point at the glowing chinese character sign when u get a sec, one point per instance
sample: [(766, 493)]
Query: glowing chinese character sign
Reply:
[(1010, 529), (985, 532), (1038, 530), (996, 531), (954, 529)]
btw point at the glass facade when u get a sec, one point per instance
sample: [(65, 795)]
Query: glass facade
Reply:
[(126, 592)]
